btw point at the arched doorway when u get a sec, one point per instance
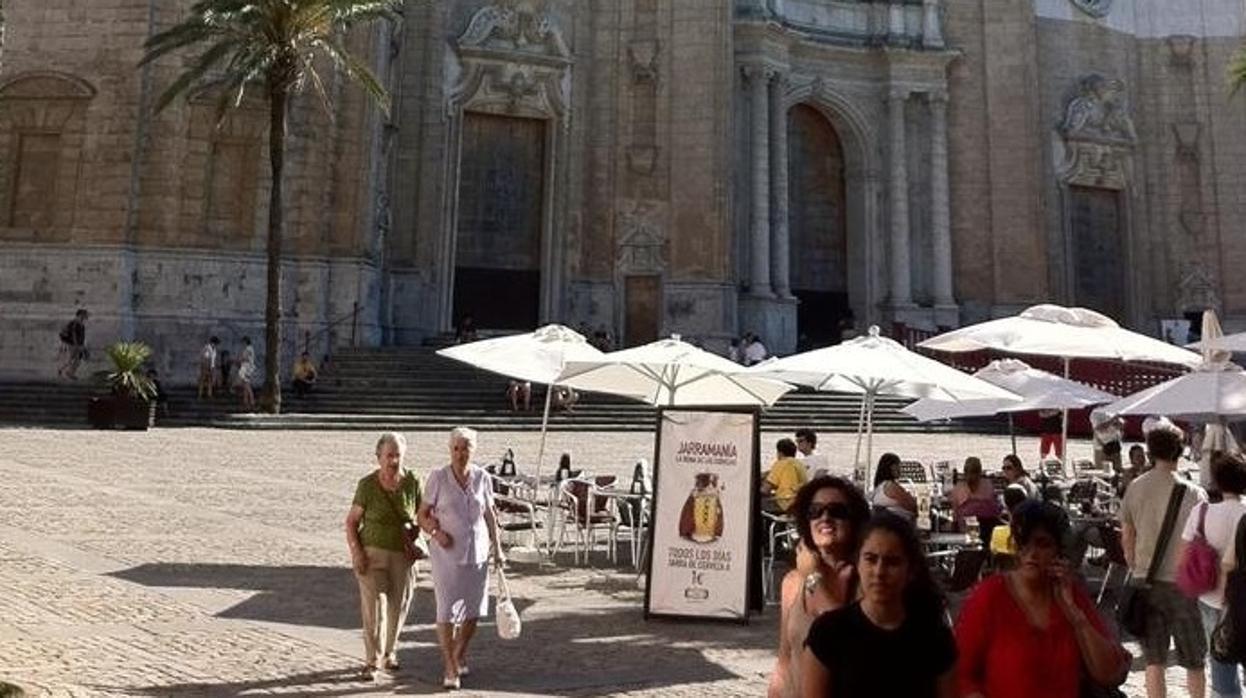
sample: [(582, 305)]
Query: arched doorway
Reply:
[(818, 225), (497, 275)]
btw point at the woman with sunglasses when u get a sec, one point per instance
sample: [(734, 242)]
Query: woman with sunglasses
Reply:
[(830, 513), (1033, 632), (891, 642)]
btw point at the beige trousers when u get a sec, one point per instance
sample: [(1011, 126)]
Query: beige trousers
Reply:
[(392, 577)]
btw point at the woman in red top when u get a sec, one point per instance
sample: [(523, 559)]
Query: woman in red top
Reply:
[(1030, 632)]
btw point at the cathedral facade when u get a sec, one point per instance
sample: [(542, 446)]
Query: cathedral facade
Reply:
[(644, 167)]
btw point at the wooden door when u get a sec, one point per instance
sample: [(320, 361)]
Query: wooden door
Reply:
[(643, 296)]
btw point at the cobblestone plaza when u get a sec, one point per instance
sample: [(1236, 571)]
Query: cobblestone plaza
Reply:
[(210, 562)]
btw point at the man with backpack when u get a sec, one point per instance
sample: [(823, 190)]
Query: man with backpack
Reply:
[(73, 345)]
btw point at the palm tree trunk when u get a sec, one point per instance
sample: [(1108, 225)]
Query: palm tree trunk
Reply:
[(271, 400)]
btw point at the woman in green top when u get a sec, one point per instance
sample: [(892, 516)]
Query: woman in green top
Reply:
[(384, 501)]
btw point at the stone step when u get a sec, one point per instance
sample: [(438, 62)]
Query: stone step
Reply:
[(413, 388)]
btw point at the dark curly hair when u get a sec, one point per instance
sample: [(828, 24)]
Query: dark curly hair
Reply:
[(1033, 516), (858, 508), (923, 598)]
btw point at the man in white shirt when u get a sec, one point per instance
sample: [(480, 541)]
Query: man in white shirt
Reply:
[(754, 351), (816, 465)]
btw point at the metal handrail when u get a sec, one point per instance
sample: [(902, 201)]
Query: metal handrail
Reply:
[(353, 316)]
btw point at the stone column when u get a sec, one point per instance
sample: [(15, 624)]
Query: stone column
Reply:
[(932, 30), (940, 215), (781, 261), (901, 279), (758, 86)]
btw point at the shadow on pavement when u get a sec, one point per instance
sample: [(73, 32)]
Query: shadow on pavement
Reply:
[(317, 683), (586, 650)]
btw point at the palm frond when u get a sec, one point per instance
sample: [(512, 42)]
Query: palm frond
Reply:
[(357, 71), (127, 377), (1236, 71), (192, 77)]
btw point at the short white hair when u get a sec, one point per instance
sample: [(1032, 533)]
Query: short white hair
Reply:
[(392, 437), (465, 433)]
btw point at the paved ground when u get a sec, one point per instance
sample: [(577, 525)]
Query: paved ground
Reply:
[(205, 562)]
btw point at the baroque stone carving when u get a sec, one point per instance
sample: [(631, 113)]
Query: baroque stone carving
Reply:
[(512, 60), (1181, 51), (1099, 112), (1197, 287), (1098, 135), (1094, 8), (643, 60), (641, 246), (514, 26)]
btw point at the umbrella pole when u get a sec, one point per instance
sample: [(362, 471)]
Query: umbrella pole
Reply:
[(540, 455), (1064, 429), (856, 458), (869, 440), (1012, 433)]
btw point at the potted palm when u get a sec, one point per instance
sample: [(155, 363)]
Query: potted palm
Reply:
[(129, 404)]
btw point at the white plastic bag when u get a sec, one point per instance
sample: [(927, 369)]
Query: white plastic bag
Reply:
[(509, 625)]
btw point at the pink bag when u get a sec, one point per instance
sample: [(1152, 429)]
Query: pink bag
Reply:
[(1199, 569)]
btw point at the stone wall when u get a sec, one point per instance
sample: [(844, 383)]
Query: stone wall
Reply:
[(157, 223)]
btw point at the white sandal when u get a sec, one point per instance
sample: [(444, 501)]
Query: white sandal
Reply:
[(450, 683)]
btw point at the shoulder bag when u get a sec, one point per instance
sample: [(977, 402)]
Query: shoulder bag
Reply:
[(1132, 609), (509, 624), (1199, 569), (413, 545), (1228, 642)]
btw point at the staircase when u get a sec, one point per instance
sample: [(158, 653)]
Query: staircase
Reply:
[(411, 388)]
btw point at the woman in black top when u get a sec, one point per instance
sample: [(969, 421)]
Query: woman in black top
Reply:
[(893, 642)]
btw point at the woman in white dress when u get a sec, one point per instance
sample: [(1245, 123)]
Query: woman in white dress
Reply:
[(457, 513), (246, 371)]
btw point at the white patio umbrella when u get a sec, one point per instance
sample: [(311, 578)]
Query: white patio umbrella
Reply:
[(873, 365), (1038, 389), (537, 356), (1214, 393), (671, 372), (1067, 333), (1229, 342)]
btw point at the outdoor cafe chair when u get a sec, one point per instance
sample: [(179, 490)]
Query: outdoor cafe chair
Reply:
[(781, 537), (630, 522), (584, 512), (515, 514), (1115, 553), (913, 471), (1052, 468)]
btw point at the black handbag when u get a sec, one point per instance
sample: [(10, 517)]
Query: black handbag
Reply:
[(413, 546), (1132, 608)]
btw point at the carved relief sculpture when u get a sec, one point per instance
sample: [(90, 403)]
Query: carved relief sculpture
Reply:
[(1197, 288), (1099, 112), (642, 246), (1098, 134), (1094, 8)]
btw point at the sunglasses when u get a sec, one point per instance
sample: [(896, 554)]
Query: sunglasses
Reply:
[(835, 510)]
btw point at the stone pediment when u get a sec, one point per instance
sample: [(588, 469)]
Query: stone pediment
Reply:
[(514, 30), (46, 84)]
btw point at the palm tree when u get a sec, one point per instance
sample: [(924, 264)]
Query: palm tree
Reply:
[(274, 46), (1237, 70)]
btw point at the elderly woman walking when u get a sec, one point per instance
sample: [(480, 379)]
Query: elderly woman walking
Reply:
[(385, 501), (457, 513)]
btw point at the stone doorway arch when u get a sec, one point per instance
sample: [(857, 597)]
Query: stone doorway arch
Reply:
[(836, 267)]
